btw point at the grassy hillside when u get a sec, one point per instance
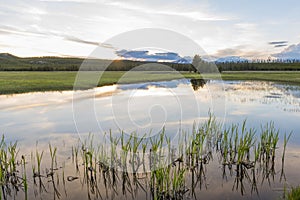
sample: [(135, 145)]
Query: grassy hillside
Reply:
[(9, 62)]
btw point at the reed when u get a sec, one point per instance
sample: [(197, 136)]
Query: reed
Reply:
[(294, 194), (53, 157), (246, 142), (39, 157), (237, 147), (285, 141), (178, 185), (24, 177), (76, 151), (13, 152), (135, 160)]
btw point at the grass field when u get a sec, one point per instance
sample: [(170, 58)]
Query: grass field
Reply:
[(292, 77), (21, 82)]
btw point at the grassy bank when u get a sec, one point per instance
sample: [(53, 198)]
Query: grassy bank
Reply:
[(21, 82), (278, 76)]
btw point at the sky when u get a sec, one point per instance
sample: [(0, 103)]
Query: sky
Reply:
[(246, 28)]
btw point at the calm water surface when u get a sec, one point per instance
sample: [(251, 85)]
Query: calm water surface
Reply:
[(63, 117)]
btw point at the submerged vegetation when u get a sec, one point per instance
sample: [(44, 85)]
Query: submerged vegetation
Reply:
[(160, 166)]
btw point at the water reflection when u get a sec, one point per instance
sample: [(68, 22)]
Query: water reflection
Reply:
[(37, 115), (207, 168), (198, 83), (48, 116), (282, 96)]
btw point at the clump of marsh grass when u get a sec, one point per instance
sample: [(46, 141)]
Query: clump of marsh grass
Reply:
[(11, 180), (13, 152), (142, 162), (53, 159), (168, 183), (39, 157), (269, 139), (294, 194)]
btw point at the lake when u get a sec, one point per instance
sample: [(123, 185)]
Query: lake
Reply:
[(64, 118)]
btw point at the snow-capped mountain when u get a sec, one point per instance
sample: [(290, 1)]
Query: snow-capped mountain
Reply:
[(172, 57), (146, 55), (231, 59), (184, 60)]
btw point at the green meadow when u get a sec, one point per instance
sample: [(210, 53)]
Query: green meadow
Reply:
[(22, 82)]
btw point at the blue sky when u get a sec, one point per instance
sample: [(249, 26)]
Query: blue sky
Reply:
[(220, 27)]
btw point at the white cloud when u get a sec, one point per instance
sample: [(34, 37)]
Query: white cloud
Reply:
[(241, 51), (180, 11), (291, 52), (91, 22)]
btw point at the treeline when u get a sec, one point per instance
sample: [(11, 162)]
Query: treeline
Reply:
[(100, 65), (9, 62), (258, 66)]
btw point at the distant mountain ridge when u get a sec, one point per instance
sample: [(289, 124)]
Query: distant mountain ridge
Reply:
[(233, 59), (144, 55)]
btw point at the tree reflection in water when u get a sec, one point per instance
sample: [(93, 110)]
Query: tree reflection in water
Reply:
[(198, 83)]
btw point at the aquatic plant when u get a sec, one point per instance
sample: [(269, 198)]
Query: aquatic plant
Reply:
[(53, 158), (294, 194), (152, 163), (24, 177), (39, 157), (286, 139)]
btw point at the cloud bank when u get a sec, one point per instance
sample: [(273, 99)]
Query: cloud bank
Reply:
[(291, 52), (78, 26)]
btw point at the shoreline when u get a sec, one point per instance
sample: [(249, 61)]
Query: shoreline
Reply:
[(25, 82)]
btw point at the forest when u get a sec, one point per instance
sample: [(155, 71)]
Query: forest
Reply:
[(10, 62)]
